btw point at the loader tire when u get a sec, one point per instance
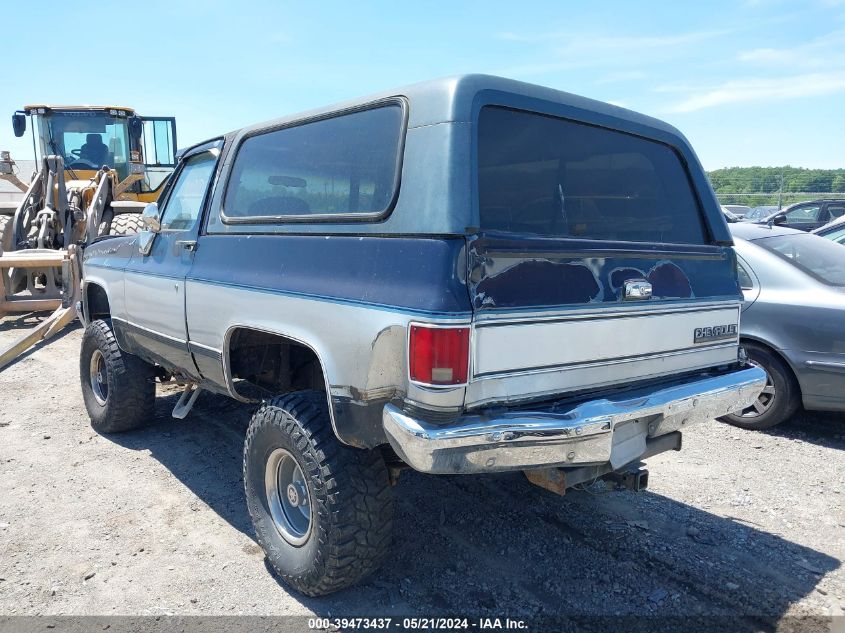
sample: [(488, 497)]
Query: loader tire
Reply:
[(118, 388), (126, 224), (322, 511), (6, 233)]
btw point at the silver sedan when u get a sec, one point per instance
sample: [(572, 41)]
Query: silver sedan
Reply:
[(793, 320)]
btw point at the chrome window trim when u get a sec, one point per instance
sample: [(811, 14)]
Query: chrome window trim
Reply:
[(323, 218), (587, 314)]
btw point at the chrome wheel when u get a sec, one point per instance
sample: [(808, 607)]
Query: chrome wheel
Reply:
[(287, 497), (764, 401), (99, 378)]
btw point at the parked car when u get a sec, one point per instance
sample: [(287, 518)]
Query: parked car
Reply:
[(793, 321), (759, 213), (738, 210), (729, 215), (469, 275), (833, 230), (807, 216)]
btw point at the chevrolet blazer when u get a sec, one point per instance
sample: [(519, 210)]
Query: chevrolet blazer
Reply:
[(467, 275)]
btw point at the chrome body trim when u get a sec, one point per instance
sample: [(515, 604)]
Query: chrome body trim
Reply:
[(594, 432), (820, 364)]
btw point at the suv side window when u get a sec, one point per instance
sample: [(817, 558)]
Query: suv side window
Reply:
[(347, 165), (836, 210), (804, 215), (184, 202)]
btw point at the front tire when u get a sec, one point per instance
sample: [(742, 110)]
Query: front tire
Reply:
[(779, 399), (322, 511), (118, 388), (126, 224), (6, 233)]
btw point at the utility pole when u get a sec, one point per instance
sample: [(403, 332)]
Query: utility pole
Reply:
[(780, 191)]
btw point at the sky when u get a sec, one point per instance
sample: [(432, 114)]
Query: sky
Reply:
[(749, 82)]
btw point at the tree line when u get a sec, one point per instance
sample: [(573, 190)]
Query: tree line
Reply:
[(756, 186), (768, 180)]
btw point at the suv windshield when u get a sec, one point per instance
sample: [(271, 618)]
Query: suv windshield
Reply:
[(816, 256), (554, 177), (87, 139)]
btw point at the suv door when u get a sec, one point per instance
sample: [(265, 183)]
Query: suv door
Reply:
[(155, 281), (159, 150), (804, 217)]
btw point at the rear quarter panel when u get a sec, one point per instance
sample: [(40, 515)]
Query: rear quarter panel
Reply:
[(350, 299)]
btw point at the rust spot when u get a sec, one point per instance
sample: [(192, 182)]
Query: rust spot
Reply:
[(668, 280), (554, 283), (551, 479)]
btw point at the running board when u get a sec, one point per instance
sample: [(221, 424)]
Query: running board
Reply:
[(186, 401)]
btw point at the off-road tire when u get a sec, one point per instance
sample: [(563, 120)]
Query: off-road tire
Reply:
[(126, 224), (130, 399), (351, 501), (787, 393)]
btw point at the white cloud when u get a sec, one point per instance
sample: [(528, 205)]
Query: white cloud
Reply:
[(631, 75), (767, 55), (565, 51), (825, 51), (774, 89)]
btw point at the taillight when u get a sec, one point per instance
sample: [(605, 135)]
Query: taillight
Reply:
[(438, 355)]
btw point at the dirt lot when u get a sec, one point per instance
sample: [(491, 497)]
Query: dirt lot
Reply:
[(154, 522)]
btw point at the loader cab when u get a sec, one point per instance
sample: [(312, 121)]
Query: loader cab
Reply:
[(88, 137)]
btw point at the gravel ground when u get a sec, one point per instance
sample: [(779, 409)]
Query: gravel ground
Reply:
[(153, 522)]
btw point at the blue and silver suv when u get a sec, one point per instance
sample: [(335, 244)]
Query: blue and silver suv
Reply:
[(463, 276)]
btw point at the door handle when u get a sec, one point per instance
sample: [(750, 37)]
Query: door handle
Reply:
[(188, 245)]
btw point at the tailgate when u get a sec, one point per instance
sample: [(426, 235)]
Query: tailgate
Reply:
[(594, 263), (550, 316)]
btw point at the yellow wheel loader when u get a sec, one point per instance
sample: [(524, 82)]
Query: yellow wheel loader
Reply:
[(97, 168)]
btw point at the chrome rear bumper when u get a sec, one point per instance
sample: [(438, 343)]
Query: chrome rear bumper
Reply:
[(611, 430)]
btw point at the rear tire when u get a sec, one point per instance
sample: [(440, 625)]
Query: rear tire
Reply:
[(118, 388), (322, 511), (780, 398)]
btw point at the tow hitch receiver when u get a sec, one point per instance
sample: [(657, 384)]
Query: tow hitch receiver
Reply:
[(635, 479)]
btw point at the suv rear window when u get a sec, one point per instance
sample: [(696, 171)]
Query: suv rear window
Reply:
[(347, 165), (549, 176)]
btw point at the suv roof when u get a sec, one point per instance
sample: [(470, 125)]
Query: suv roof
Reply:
[(455, 103), (453, 98)]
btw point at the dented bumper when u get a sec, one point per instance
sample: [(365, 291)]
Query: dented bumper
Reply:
[(607, 430)]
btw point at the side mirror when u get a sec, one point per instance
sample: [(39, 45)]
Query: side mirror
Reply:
[(19, 123), (136, 127), (780, 218), (150, 218)]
